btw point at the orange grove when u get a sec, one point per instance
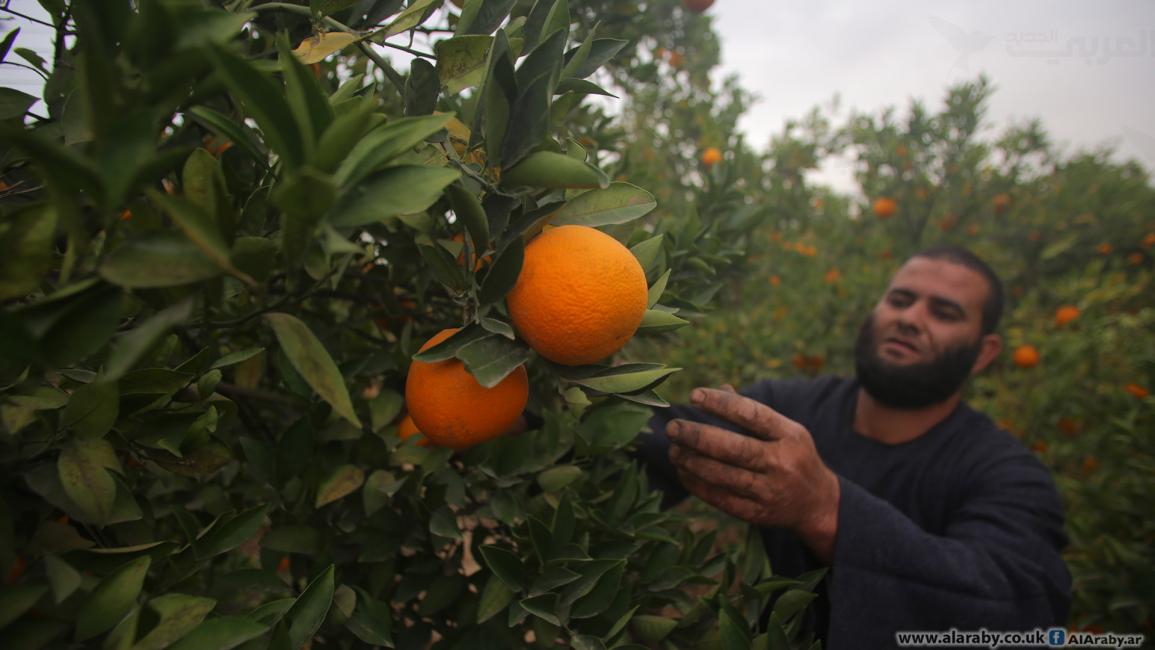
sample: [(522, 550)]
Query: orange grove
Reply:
[(452, 409), (580, 296)]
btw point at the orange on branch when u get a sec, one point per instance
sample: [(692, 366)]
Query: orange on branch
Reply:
[(452, 409), (884, 207), (711, 156), (580, 296), (1001, 202), (1066, 314), (1136, 391), (407, 428), (1026, 356)]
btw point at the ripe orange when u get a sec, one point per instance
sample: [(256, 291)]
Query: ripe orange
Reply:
[(711, 156), (452, 409), (580, 297), (1104, 248), (1139, 392), (1026, 356), (1001, 202), (697, 6), (1066, 314), (1149, 240), (885, 207)]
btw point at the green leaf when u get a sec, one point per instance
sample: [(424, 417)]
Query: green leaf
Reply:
[(483, 16), (6, 44), (309, 610), (15, 601), (601, 596), (26, 250), (62, 577), (112, 599), (505, 565), (581, 87), (132, 345), (264, 100), (413, 16), (449, 348), (238, 134), (651, 630), (656, 291), (379, 487), (494, 598), (528, 128), (342, 482), (469, 210), (656, 320), (157, 259), (14, 104), (492, 359), (421, 88), (553, 170), (82, 467), (311, 359), (626, 378), (179, 615), (202, 230), (792, 602), (600, 53), (221, 633), (385, 143), (497, 95), (304, 198), (444, 523), (614, 425), (618, 203), (372, 620), (343, 134), (589, 642), (396, 191), (555, 479), (204, 186), (316, 48), (234, 358), (503, 273), (230, 533), (544, 607), (309, 105), (303, 540), (92, 409)]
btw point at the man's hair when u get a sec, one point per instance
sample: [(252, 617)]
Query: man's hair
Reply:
[(993, 307)]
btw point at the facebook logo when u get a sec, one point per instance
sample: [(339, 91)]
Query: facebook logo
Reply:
[(1056, 636)]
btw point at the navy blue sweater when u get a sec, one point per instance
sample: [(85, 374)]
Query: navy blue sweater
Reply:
[(961, 527)]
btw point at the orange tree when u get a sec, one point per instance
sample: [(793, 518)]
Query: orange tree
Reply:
[(224, 239), (1073, 237)]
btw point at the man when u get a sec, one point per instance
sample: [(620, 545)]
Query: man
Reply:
[(928, 516)]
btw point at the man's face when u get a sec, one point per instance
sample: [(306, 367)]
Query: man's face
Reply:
[(924, 337)]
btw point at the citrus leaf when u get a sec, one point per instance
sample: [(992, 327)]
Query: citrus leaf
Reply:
[(553, 170), (618, 203), (311, 359), (201, 229), (26, 250), (505, 565), (395, 191), (421, 88), (112, 599), (494, 598), (230, 533), (503, 273), (655, 320), (14, 602), (468, 209), (179, 614), (315, 48), (492, 359), (600, 52), (158, 259), (264, 100), (378, 488), (444, 523), (581, 87), (238, 134), (448, 348), (342, 482), (528, 127), (555, 479), (132, 345), (307, 102), (543, 607), (656, 291), (92, 409), (413, 16), (601, 596), (344, 133), (626, 378), (86, 481), (650, 629), (222, 633), (372, 620), (62, 577), (309, 610), (385, 143), (234, 358), (303, 540)]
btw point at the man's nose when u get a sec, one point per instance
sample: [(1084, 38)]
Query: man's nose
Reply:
[(910, 320)]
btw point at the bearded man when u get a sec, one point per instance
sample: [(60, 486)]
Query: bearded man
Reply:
[(926, 514)]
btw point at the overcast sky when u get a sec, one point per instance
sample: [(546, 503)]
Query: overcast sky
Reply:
[(1087, 70)]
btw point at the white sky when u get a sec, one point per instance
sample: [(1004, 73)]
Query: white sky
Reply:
[(1087, 70)]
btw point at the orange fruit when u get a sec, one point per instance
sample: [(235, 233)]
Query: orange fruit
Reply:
[(452, 409), (407, 429), (478, 262), (711, 156), (580, 296), (1104, 248), (1149, 240), (675, 60), (1026, 356), (1136, 390), (1001, 202), (1066, 314), (697, 6), (832, 276), (884, 207)]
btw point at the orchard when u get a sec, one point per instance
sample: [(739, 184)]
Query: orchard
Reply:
[(333, 324)]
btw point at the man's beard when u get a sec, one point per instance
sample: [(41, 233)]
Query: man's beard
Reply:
[(911, 386)]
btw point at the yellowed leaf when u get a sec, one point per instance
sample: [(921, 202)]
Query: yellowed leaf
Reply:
[(315, 48)]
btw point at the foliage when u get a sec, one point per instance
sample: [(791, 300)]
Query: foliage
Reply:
[(221, 248)]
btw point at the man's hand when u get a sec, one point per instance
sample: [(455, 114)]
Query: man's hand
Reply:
[(775, 479)]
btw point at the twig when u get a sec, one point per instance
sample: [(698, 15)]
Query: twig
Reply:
[(25, 65), (30, 19), (232, 390)]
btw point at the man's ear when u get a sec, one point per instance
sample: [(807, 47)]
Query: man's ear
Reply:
[(991, 346)]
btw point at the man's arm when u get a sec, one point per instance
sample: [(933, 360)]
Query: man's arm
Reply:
[(997, 564)]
